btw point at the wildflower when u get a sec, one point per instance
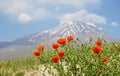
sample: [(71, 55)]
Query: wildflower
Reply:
[(98, 42), (104, 59), (55, 46), (70, 38), (62, 41), (97, 49), (40, 47), (55, 59), (61, 53), (37, 53)]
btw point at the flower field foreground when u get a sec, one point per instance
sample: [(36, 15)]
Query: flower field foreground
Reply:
[(68, 57)]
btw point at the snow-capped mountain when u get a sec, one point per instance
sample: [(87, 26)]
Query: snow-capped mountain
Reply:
[(76, 28)]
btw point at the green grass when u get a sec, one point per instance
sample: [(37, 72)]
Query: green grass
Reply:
[(80, 55)]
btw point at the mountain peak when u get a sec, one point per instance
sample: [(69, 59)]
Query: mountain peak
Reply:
[(75, 28)]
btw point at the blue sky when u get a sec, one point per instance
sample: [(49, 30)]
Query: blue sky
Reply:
[(24, 17)]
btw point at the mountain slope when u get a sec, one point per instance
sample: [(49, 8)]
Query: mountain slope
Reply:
[(75, 28), (16, 52)]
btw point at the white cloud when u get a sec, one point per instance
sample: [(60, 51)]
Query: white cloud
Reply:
[(76, 3), (24, 18), (91, 24), (100, 28), (41, 14), (42, 9), (114, 24), (84, 16), (13, 7)]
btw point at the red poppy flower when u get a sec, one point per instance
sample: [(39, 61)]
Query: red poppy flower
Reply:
[(61, 53), (37, 53), (40, 47), (105, 59), (55, 59), (97, 49), (70, 38), (98, 42), (55, 46), (62, 41)]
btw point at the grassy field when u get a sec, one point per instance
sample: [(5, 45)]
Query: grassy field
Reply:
[(77, 60)]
